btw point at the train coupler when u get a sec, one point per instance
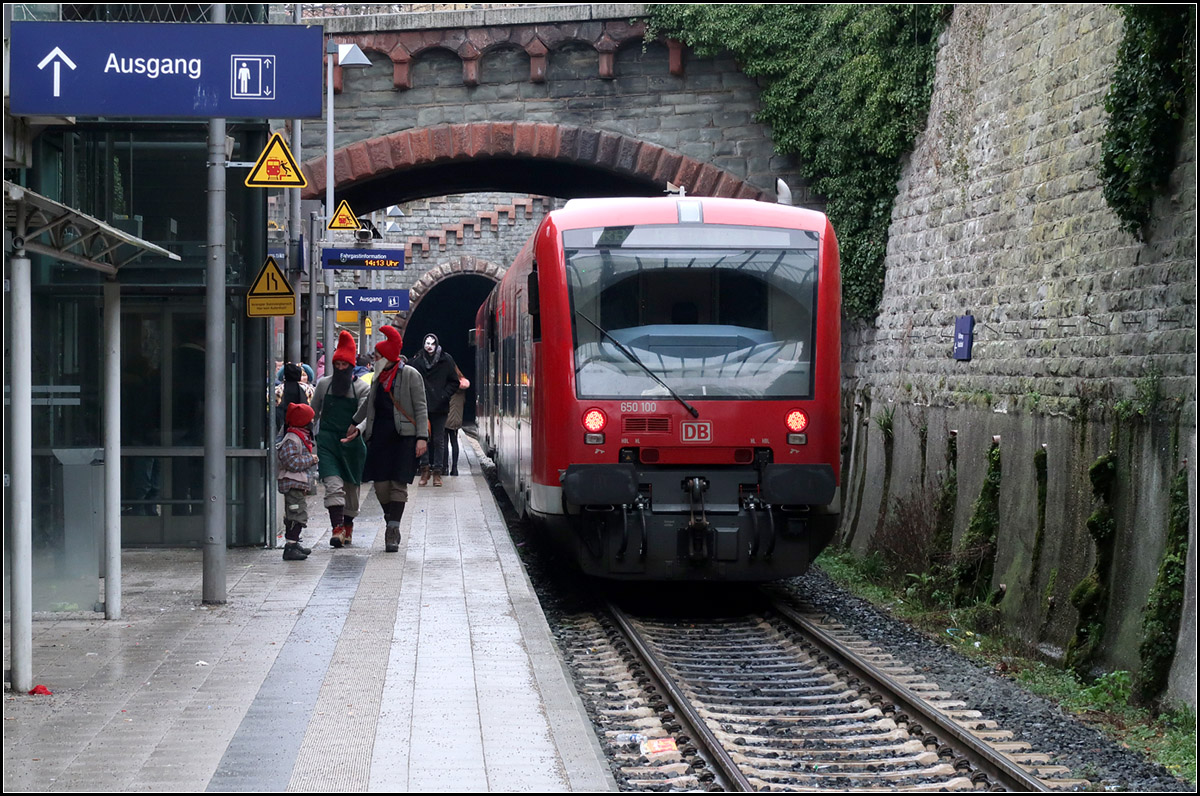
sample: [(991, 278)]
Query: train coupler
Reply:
[(698, 530), (698, 541)]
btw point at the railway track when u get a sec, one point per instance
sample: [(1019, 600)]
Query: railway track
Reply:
[(778, 700)]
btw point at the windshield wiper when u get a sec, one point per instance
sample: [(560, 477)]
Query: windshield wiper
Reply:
[(633, 358)]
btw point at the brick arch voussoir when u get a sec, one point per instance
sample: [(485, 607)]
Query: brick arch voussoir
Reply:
[(383, 155), (456, 266)]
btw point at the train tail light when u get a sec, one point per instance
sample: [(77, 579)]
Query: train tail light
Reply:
[(594, 422), (797, 423)]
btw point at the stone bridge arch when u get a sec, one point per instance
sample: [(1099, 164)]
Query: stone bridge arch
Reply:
[(551, 159), (464, 265)]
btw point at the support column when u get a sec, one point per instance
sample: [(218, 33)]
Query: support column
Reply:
[(112, 449), (215, 366), (21, 442), (294, 249)]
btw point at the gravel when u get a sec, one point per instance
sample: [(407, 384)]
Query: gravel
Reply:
[(1031, 718)]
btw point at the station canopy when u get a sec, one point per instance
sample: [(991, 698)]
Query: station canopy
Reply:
[(40, 224)]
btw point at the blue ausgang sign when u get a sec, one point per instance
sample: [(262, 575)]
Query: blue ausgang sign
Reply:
[(165, 69), (373, 300), (387, 259)]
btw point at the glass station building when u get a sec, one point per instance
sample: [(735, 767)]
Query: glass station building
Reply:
[(148, 179)]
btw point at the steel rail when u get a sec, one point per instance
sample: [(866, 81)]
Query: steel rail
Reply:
[(1002, 770), (714, 752)]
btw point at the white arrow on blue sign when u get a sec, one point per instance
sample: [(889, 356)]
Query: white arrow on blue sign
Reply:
[(163, 69), (373, 300)]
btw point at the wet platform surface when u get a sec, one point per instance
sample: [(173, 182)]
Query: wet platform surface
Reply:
[(431, 669)]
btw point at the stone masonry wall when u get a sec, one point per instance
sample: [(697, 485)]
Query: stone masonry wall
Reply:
[(571, 68), (1000, 215), (486, 227)]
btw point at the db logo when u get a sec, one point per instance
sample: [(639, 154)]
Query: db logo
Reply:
[(696, 431)]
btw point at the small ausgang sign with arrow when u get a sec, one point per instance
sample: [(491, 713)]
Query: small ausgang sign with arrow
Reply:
[(270, 294)]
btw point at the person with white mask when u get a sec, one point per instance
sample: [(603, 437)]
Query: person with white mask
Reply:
[(441, 382)]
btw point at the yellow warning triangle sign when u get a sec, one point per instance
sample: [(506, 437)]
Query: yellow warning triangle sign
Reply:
[(344, 218), (276, 168), (270, 281), (270, 294)]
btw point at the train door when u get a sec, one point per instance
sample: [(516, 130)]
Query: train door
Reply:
[(523, 412)]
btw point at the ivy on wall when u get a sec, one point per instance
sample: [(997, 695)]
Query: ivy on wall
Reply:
[(846, 89), (1151, 86)]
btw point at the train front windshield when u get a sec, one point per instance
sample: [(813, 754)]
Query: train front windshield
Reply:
[(708, 311)]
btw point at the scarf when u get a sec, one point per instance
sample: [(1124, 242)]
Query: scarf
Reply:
[(304, 435), (388, 377)]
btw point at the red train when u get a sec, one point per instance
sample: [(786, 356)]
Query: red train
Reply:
[(659, 386)]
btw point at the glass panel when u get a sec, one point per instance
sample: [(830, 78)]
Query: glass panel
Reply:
[(711, 312)]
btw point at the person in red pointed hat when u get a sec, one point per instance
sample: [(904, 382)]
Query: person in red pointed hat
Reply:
[(395, 423), (336, 401), (296, 459)]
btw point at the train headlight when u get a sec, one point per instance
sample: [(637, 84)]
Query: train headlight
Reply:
[(797, 421), (594, 421)]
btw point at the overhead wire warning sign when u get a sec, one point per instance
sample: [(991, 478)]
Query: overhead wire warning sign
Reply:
[(276, 168), (270, 294)]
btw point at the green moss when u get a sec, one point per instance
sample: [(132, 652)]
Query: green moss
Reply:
[(1150, 92), (1164, 607), (1048, 594), (1090, 595), (947, 499), (975, 559), (846, 89), (1040, 470)]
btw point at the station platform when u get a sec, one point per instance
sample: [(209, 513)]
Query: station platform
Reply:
[(431, 669)]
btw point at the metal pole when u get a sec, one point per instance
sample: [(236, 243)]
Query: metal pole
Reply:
[(112, 449), (331, 51), (21, 364), (312, 291), (271, 494), (215, 509), (293, 352)]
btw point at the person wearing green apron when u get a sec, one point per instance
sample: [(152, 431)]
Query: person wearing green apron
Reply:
[(336, 401)]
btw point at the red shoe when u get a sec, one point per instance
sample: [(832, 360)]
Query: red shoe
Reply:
[(340, 537)]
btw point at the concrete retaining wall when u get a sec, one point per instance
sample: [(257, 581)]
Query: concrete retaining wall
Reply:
[(1000, 215)]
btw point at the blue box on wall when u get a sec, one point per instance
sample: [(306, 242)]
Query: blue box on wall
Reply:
[(964, 336)]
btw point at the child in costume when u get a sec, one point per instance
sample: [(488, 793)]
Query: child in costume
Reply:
[(296, 478)]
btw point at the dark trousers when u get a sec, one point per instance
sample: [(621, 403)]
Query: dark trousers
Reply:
[(435, 455)]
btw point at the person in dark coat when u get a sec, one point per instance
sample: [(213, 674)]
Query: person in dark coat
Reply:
[(441, 382), (454, 421), (395, 424)]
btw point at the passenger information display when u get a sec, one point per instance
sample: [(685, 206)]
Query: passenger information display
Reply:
[(164, 69), (386, 259)]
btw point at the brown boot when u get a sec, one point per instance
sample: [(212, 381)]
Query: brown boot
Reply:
[(347, 531), (437, 479), (424, 477)]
